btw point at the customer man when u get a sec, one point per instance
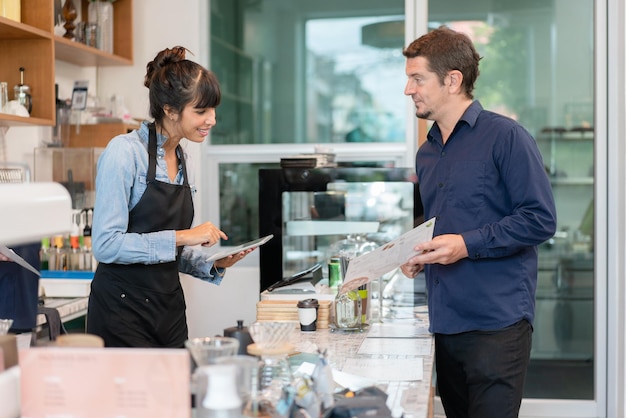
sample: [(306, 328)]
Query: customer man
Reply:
[(482, 176)]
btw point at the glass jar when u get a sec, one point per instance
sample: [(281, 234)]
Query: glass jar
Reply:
[(101, 12), (348, 311)]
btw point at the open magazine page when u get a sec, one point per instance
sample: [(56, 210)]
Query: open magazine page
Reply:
[(387, 257)]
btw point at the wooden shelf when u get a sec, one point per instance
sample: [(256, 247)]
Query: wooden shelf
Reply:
[(12, 30), (85, 56), (32, 44)]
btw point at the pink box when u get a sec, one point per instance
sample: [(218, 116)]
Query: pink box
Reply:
[(105, 382)]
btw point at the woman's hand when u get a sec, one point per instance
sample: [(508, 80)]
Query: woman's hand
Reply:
[(205, 234), (231, 259)]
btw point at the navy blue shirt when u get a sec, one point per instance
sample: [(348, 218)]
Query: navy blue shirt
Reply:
[(489, 184)]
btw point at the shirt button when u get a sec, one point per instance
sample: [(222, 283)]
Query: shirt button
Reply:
[(436, 281), (477, 256), (123, 295), (147, 300), (440, 185), (443, 153)]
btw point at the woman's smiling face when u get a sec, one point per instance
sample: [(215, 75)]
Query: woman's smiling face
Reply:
[(194, 123)]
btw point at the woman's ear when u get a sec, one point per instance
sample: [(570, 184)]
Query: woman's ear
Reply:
[(170, 113)]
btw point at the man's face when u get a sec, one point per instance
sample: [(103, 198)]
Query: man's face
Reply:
[(424, 87)]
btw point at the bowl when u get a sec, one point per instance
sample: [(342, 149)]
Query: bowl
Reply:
[(204, 350), (272, 334)]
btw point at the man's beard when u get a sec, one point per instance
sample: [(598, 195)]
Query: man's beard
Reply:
[(423, 115)]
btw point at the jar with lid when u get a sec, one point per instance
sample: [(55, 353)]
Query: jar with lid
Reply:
[(347, 311), (101, 12)]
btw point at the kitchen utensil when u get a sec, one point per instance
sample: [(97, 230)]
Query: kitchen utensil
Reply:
[(247, 375), (242, 335), (217, 392), (270, 335), (21, 93), (204, 350)]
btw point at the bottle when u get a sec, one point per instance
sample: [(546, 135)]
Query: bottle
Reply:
[(60, 254), (86, 247), (334, 273), (44, 254), (74, 247)]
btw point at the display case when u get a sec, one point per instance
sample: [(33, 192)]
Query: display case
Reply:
[(564, 317), (74, 168), (309, 211)]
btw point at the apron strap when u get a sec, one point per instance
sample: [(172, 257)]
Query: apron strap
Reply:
[(152, 155), (152, 151), (179, 152)]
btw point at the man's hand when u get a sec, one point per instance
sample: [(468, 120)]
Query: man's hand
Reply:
[(443, 249)]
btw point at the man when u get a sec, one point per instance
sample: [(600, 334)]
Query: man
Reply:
[(482, 176)]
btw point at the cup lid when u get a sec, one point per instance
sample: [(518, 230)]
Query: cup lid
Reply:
[(308, 303)]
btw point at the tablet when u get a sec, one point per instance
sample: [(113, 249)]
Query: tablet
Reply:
[(234, 250)]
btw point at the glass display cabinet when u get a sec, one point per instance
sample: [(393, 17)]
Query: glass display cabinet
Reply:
[(565, 291), (310, 211)]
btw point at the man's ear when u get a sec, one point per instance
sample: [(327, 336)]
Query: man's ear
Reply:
[(456, 79)]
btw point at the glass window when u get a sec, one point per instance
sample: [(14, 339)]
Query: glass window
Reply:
[(354, 80), (308, 72)]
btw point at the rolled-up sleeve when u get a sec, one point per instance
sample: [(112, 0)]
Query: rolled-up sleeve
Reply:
[(114, 187)]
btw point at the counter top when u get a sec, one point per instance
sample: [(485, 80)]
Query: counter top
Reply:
[(69, 308), (345, 350)]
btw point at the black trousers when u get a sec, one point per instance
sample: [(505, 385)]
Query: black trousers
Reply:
[(480, 374)]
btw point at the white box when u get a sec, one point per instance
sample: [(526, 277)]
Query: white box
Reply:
[(66, 288)]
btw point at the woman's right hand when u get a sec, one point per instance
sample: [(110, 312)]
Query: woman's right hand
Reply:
[(205, 234)]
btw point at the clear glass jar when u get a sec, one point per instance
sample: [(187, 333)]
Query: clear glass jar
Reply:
[(101, 12), (348, 310)]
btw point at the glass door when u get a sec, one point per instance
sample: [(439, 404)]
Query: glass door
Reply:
[(537, 67)]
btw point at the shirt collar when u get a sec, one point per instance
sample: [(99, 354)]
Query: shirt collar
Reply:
[(469, 116), (144, 134)]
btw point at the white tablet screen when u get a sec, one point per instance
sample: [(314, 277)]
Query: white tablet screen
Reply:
[(234, 250)]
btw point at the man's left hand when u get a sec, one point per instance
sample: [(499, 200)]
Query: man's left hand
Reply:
[(442, 249)]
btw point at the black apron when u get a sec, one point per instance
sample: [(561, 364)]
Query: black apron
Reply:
[(142, 305)]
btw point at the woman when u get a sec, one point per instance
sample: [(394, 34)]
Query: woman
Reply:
[(142, 234)]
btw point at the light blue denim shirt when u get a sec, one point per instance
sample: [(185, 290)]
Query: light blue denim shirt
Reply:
[(120, 182)]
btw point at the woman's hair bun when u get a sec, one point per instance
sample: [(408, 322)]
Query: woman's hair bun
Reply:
[(164, 58)]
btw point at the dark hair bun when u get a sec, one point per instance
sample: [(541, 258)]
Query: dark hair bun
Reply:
[(163, 59)]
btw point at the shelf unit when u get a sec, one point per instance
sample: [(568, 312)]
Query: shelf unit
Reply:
[(32, 44)]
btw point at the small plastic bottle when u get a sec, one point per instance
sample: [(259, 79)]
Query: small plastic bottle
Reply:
[(44, 254)]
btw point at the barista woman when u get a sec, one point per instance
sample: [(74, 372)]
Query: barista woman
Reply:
[(142, 233)]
